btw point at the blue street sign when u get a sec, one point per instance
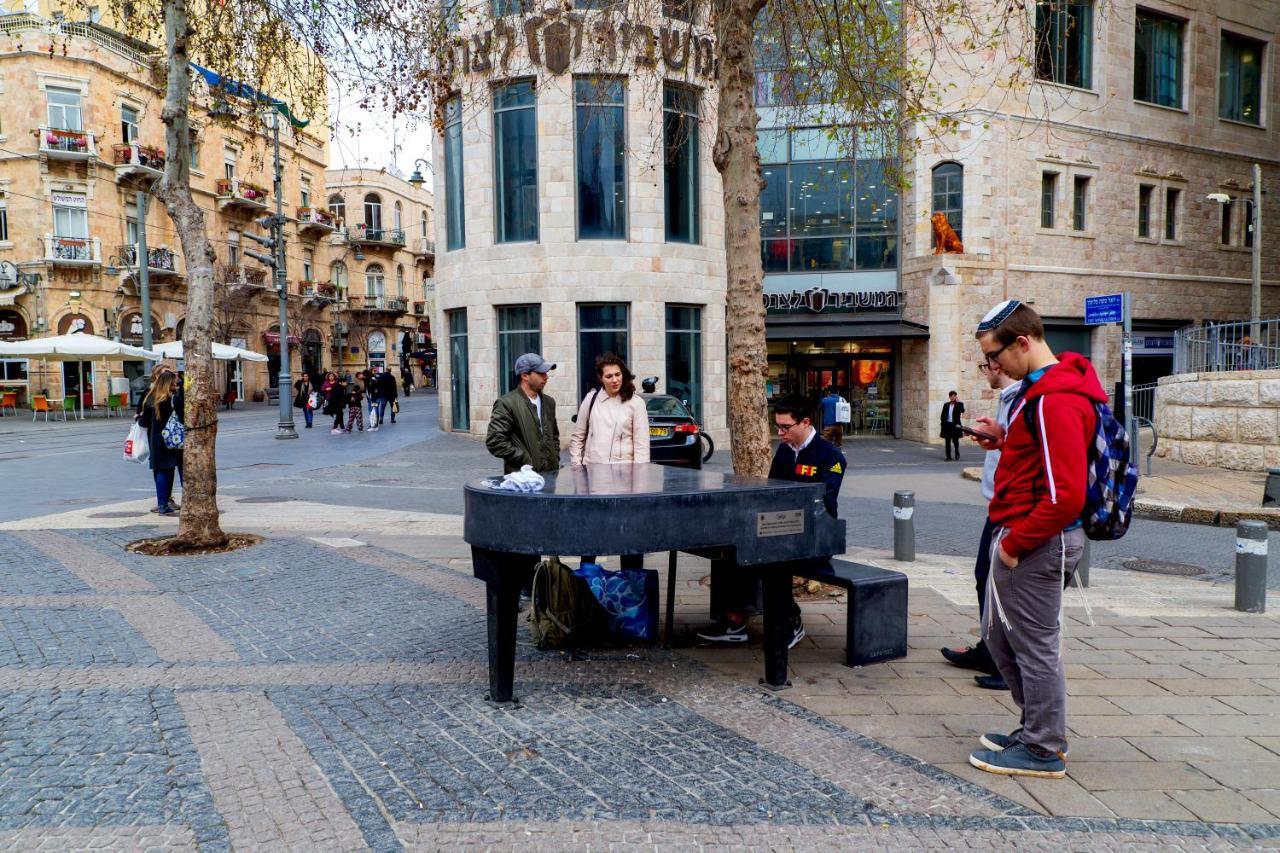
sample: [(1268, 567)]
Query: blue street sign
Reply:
[(1104, 309)]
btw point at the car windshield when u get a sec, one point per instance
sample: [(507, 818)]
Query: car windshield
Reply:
[(667, 407)]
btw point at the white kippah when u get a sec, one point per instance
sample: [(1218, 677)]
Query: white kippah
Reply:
[(998, 315)]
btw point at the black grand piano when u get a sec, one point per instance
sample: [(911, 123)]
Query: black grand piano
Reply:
[(738, 522)]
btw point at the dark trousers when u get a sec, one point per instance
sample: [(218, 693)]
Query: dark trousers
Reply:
[(308, 414), (981, 571), (337, 419), (741, 586), (953, 442)]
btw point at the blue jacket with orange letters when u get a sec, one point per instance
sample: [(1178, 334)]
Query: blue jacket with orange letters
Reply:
[(819, 461)]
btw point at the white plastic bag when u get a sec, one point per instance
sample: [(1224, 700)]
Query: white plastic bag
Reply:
[(844, 412), (136, 447), (373, 417)]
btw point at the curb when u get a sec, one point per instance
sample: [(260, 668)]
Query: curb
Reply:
[(1184, 513)]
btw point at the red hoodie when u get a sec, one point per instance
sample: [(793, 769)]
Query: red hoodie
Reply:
[(1041, 480)]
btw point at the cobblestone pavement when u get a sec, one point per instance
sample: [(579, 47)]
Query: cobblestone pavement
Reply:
[(318, 695)]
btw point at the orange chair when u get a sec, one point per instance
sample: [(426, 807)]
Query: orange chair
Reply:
[(9, 400)]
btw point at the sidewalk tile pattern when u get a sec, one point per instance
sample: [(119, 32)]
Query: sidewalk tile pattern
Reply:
[(51, 636)]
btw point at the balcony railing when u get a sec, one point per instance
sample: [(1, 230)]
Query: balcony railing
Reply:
[(375, 236), (424, 246), (160, 259), (236, 275), (1225, 347), (59, 144), (396, 304), (320, 291), (233, 192), (72, 251), (419, 307), (136, 159), (316, 218)]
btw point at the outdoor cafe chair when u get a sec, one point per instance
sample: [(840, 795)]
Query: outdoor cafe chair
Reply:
[(40, 403), (9, 400), (114, 404), (68, 405)]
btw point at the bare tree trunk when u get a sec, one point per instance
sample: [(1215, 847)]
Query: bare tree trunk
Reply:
[(198, 521), (738, 161)]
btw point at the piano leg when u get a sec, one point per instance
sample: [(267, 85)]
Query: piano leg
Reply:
[(671, 599), (777, 626), (504, 574)]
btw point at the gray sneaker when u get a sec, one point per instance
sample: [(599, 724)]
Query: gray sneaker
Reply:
[(1019, 760), (996, 741)]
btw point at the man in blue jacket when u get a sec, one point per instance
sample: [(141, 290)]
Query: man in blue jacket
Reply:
[(802, 456)]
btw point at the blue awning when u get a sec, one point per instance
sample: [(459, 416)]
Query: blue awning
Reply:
[(244, 90)]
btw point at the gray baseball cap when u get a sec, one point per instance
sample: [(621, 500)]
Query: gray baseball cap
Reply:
[(531, 362)]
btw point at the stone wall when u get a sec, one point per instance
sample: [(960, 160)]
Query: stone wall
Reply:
[(1228, 420)]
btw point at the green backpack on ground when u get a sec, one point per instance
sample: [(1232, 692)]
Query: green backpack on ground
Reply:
[(564, 613)]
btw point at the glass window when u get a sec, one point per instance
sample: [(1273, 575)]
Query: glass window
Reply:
[(233, 248), (194, 162), (229, 164), (948, 194), (455, 226), (1224, 234), (1064, 42), (65, 112), (1249, 224), (400, 280), (502, 8), (375, 281), (425, 231), (398, 217), (338, 278), (1171, 198), (13, 370), (1157, 59), (459, 371), (338, 206), (71, 222), (373, 212), (1080, 203), (812, 143), (684, 355), (773, 202), (600, 121), (519, 332), (308, 264), (875, 209), (128, 123), (1240, 79), (821, 199), (1144, 210), (772, 145), (304, 195), (4, 219), (602, 328), (680, 169), (131, 224), (1048, 199), (515, 159)]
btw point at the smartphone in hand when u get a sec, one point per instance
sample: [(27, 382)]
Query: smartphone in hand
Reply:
[(984, 436)]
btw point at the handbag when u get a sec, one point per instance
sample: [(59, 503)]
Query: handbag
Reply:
[(629, 597), (174, 433), (136, 446), (313, 401), (395, 407)]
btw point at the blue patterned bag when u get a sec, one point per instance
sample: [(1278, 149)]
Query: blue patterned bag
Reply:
[(629, 597), (174, 434)]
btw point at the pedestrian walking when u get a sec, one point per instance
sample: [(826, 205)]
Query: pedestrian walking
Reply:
[(978, 656), (612, 428), (802, 456), (369, 380), (164, 400), (522, 428), (302, 399), (832, 428), (336, 402), (952, 412), (388, 393), (406, 379), (355, 406), (1040, 489)]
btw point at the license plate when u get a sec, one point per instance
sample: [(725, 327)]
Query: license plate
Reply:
[(660, 432)]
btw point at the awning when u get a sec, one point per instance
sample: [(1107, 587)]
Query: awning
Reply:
[(824, 328), (273, 339)]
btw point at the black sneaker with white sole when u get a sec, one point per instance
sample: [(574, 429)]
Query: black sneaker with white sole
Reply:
[(723, 632), (797, 634)]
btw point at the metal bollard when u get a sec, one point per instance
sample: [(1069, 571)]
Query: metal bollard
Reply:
[(1251, 566), (904, 526)]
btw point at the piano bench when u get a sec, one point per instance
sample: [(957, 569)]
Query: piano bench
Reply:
[(877, 617)]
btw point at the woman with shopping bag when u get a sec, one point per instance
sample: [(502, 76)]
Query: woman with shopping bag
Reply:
[(161, 415), (304, 398)]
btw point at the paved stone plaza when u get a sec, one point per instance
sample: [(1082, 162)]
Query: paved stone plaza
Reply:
[(324, 690)]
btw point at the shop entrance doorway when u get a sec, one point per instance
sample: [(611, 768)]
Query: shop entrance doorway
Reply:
[(862, 374)]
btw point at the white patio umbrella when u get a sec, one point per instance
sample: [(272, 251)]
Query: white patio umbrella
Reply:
[(222, 352), (77, 347)]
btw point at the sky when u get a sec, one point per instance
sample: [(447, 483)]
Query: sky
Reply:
[(376, 139)]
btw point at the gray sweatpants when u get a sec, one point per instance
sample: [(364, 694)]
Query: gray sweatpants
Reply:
[(1024, 634)]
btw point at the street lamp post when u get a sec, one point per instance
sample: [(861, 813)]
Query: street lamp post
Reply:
[(1254, 230), (144, 275), (416, 178)]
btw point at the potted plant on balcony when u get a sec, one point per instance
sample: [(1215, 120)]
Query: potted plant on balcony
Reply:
[(51, 139)]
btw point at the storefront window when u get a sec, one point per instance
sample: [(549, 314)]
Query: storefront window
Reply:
[(680, 143), (602, 328), (684, 355), (455, 226), (459, 385), (519, 332), (600, 117), (515, 152)]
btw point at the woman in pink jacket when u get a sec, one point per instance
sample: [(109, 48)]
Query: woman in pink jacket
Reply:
[(612, 428)]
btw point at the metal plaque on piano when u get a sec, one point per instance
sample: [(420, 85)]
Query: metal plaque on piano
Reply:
[(785, 523)]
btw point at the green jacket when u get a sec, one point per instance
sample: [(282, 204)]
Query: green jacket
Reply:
[(514, 436)]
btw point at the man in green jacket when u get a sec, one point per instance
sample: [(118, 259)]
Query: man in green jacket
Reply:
[(522, 429)]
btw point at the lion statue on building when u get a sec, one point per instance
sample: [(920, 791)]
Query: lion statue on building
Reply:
[(945, 238)]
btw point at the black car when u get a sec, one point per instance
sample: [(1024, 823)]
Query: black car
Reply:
[(674, 435)]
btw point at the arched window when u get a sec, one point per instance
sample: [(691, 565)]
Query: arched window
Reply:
[(948, 194), (375, 280), (425, 233), (338, 206), (338, 278), (373, 212), (399, 217), (400, 280)]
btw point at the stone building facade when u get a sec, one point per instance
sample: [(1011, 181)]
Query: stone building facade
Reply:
[(380, 268), (1096, 182), (579, 211)]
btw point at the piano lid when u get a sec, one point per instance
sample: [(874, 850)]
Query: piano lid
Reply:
[(637, 480)]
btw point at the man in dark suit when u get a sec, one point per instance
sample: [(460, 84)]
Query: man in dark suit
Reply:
[(952, 412)]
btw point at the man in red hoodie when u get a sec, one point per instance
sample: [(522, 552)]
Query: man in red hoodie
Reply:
[(1040, 488)]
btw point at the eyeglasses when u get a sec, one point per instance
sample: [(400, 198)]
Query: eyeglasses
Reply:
[(983, 367), (784, 428), (994, 357)]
